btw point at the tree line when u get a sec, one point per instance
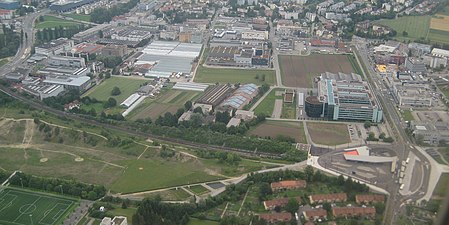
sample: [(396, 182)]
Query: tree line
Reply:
[(67, 187), (9, 42), (103, 15), (48, 34)]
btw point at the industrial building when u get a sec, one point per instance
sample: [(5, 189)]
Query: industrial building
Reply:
[(238, 56), (69, 5), (415, 65), (241, 97), (344, 100), (9, 4), (415, 94), (66, 61), (431, 133), (43, 91), (55, 47), (78, 83), (114, 50), (91, 33), (136, 34), (215, 95), (190, 86), (169, 57), (63, 71)]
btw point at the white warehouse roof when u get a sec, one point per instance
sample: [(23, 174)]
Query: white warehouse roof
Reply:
[(130, 100)]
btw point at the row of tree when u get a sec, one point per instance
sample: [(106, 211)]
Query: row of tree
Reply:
[(67, 187), (9, 42), (104, 15), (48, 34)]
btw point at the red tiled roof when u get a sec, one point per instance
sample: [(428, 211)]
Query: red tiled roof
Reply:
[(369, 198), (276, 216), (329, 197), (289, 184), (353, 211), (315, 213), (278, 202)]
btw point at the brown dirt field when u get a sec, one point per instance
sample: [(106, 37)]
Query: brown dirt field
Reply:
[(329, 133), (299, 71), (155, 110), (440, 22), (273, 129)]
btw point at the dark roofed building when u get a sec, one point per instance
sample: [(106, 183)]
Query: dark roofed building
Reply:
[(215, 95)]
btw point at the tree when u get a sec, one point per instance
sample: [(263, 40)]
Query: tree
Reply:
[(110, 103), (292, 206), (309, 173), (115, 91), (380, 207), (382, 135), (198, 110), (404, 33), (367, 124), (188, 105)]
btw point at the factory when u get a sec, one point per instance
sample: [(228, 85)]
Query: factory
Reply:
[(69, 5)]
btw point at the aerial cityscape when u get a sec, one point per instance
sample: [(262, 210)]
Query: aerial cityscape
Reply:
[(224, 112)]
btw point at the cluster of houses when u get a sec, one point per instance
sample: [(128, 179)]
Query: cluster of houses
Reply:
[(318, 214)]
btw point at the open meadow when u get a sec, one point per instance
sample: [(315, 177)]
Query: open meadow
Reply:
[(103, 91), (168, 101), (329, 133), (233, 76), (273, 129), (299, 71), (23, 207), (54, 22)]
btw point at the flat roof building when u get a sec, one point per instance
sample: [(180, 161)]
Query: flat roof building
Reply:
[(55, 47), (414, 94), (344, 100), (431, 133), (215, 95), (66, 61), (79, 83)]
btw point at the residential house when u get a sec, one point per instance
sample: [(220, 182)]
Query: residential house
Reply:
[(288, 185), (321, 198), (369, 198), (279, 202), (315, 214), (369, 212), (276, 217)]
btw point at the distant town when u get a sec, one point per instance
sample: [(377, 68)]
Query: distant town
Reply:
[(226, 112)]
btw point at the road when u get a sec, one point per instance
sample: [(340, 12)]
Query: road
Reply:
[(24, 50), (402, 142)]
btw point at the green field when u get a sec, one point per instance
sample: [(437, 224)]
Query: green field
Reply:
[(19, 207), (103, 91), (169, 195), (143, 175), (3, 62), (417, 27), (195, 221), (267, 104), (442, 186), (407, 115), (169, 100), (233, 76), (81, 17), (330, 134), (52, 22), (439, 36), (198, 189), (128, 212)]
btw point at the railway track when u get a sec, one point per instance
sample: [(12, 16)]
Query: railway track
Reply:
[(133, 132)]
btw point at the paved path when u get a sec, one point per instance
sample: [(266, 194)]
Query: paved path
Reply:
[(277, 111), (260, 100)]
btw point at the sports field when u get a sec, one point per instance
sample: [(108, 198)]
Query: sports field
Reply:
[(233, 76), (299, 71), (19, 207), (52, 22), (103, 91), (168, 101)]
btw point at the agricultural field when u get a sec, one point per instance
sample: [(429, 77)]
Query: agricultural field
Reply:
[(168, 195), (103, 91), (198, 189), (167, 101), (53, 22), (233, 76), (81, 17), (21, 207), (299, 71), (275, 128), (329, 133)]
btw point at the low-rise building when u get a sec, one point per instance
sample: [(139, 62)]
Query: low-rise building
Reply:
[(78, 83), (55, 47), (415, 65), (322, 198), (315, 214), (279, 202), (66, 61), (114, 50), (276, 217), (255, 35), (43, 91), (369, 198), (347, 212), (288, 185), (117, 220), (431, 133)]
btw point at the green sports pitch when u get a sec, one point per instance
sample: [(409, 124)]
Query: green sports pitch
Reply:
[(20, 207)]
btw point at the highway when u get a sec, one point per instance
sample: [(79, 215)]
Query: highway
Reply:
[(402, 142)]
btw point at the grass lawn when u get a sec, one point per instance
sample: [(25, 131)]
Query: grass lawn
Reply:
[(329, 133), (355, 65), (195, 221), (52, 22), (170, 195), (198, 189), (128, 212), (103, 91), (407, 115), (45, 208), (416, 27), (289, 110), (442, 186), (81, 17), (267, 104), (143, 175), (233, 76), (275, 128), (444, 151), (169, 100), (3, 61), (444, 11)]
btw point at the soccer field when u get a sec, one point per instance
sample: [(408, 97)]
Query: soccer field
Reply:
[(20, 207)]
